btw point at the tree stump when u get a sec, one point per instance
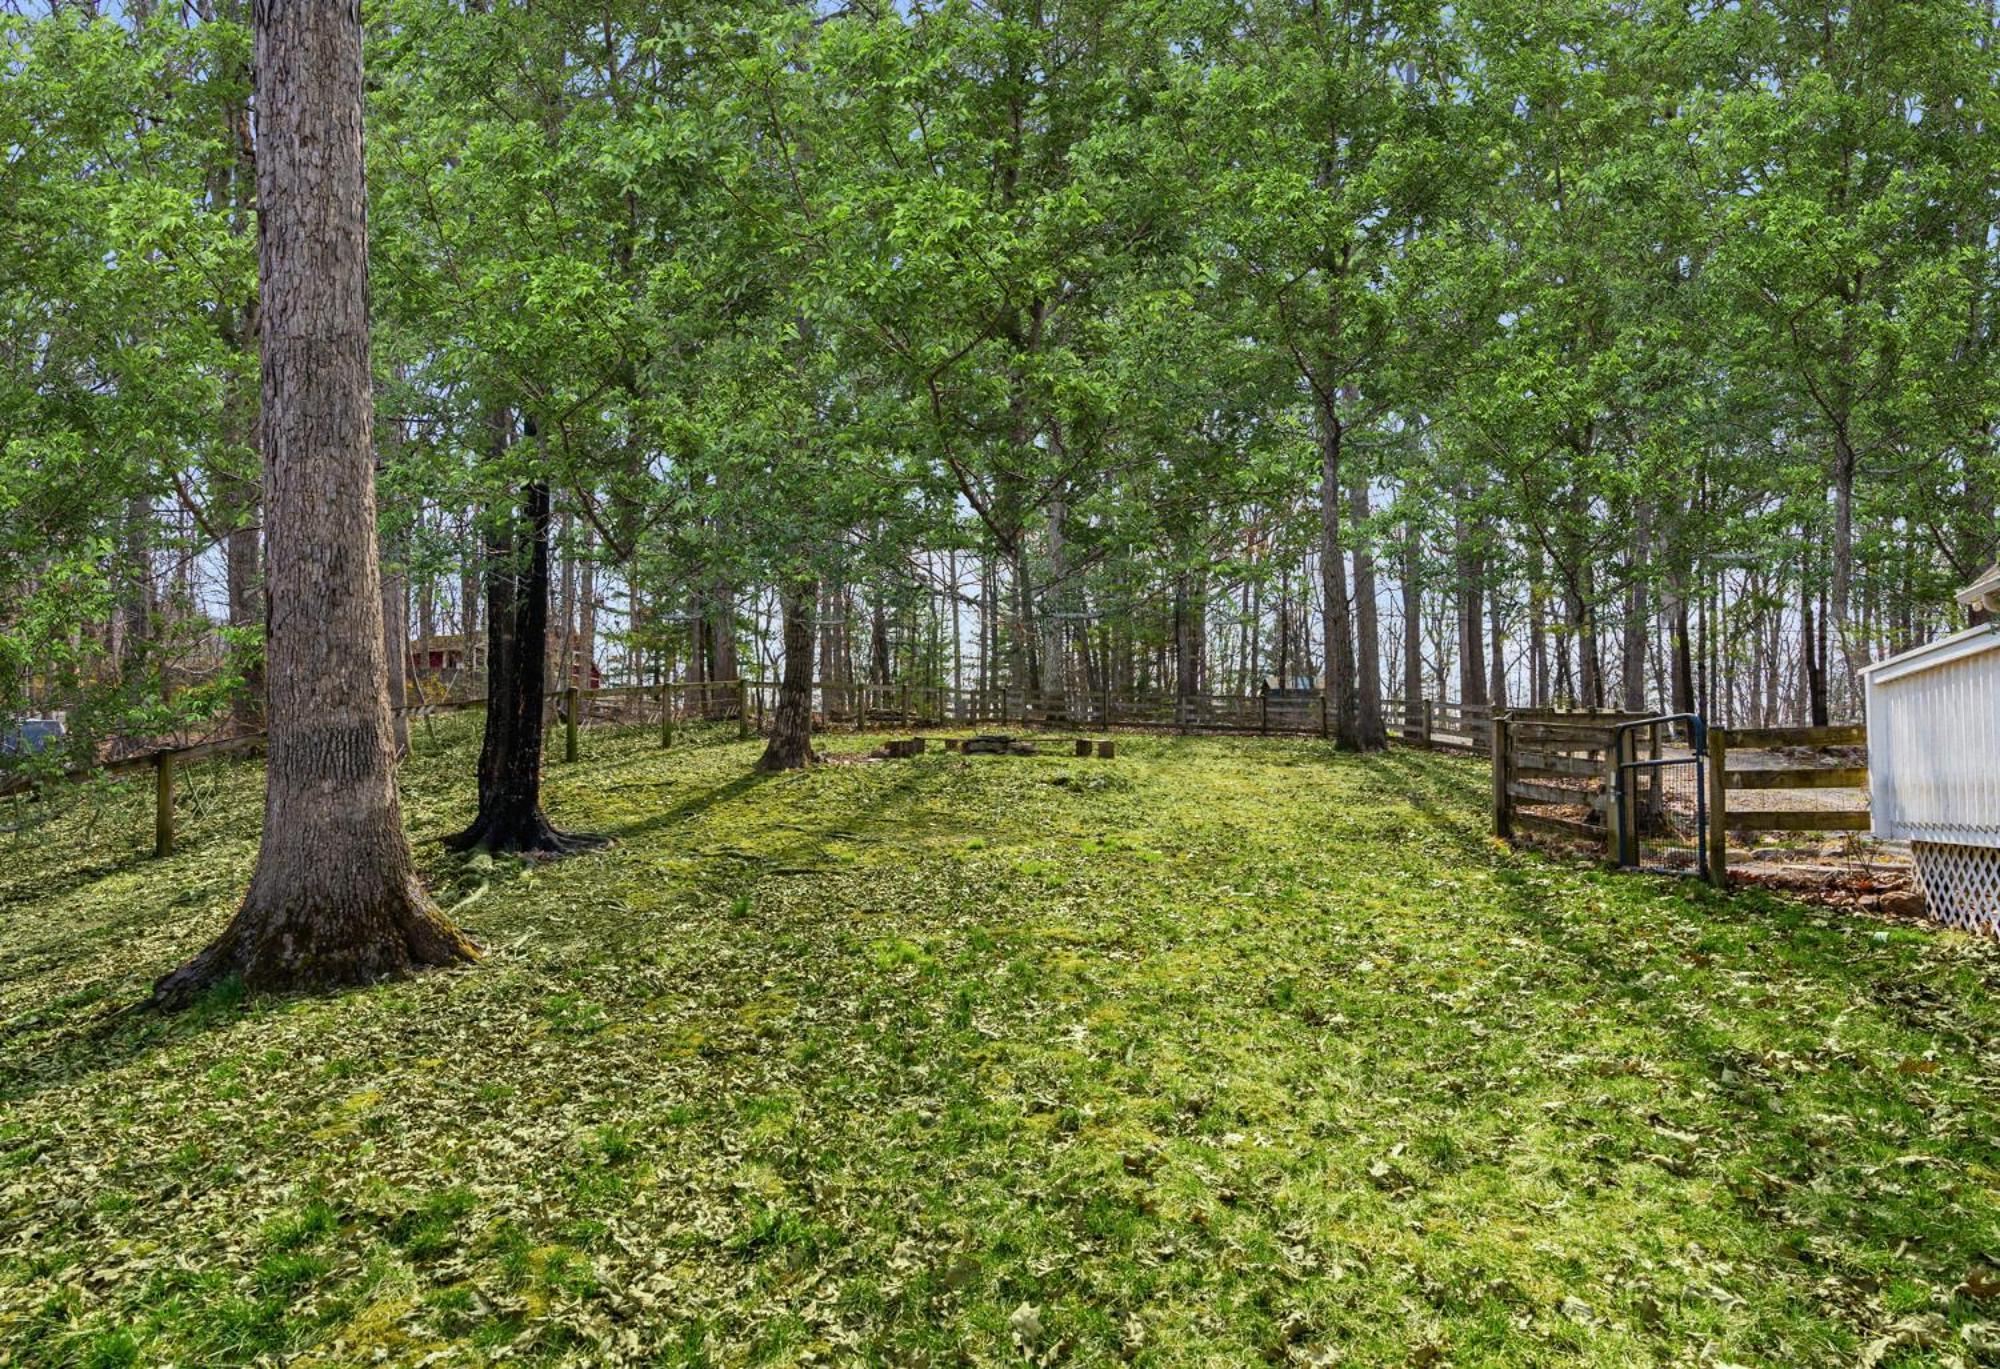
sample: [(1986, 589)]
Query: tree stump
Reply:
[(1107, 749)]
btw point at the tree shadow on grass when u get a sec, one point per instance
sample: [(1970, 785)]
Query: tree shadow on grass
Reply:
[(1801, 1135), (813, 840), (41, 1050), (693, 806), (1623, 973), (85, 871), (1447, 800)]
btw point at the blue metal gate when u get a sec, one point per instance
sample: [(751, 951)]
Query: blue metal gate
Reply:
[(1659, 804)]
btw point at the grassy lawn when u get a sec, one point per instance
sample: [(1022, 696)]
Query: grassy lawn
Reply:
[(1219, 1053)]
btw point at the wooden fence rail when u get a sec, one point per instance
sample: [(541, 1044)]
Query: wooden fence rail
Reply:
[(1542, 760), (1546, 760), (1440, 724), (1722, 782), (166, 762)]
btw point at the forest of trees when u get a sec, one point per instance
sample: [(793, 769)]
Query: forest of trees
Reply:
[(1593, 352)]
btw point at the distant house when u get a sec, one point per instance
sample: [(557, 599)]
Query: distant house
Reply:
[(444, 655), (442, 658)]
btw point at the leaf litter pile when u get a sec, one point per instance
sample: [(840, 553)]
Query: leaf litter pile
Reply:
[(1223, 1052)]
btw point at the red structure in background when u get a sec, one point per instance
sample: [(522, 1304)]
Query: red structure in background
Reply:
[(443, 658)]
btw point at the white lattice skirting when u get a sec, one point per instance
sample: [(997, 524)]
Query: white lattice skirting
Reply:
[(1962, 884)]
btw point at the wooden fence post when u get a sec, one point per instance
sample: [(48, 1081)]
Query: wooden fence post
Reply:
[(742, 710), (1625, 750), (570, 699), (1613, 749), (666, 716), (1264, 712), (1320, 701), (1503, 811), (1424, 738), (903, 704), (163, 804), (1718, 808)]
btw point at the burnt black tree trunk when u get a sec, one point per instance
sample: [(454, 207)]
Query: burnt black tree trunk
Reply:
[(790, 747), (517, 644), (1814, 663)]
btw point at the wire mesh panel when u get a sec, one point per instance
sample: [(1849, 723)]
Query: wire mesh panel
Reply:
[(1661, 804)]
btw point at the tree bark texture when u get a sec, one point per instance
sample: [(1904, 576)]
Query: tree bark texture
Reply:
[(1413, 627), (1370, 730), (790, 747), (1339, 631), (510, 814), (396, 643), (334, 898)]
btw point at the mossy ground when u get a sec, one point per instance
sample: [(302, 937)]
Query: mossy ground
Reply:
[(1222, 1052)]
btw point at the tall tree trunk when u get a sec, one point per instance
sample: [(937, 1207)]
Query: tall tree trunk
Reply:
[(1683, 655), (396, 640), (1256, 633), (832, 652), (426, 601), (1023, 674), (1186, 638), (1638, 615), (1538, 627), (1242, 680), (1413, 627), (334, 898), (1589, 662), (697, 626), (1338, 626), (586, 609), (790, 747), (989, 624), (1569, 692), (562, 670), (1471, 558), (722, 638), (1284, 655), (1496, 693), (510, 814), (469, 595), (1853, 655), (878, 638), (134, 623), (957, 642), (243, 579), (1371, 734), (1812, 643)]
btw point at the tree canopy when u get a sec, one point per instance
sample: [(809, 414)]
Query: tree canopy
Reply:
[(1567, 352)]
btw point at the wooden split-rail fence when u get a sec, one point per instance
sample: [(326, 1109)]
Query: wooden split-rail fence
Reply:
[(1559, 772), (1439, 724), (1552, 770), (1831, 771)]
